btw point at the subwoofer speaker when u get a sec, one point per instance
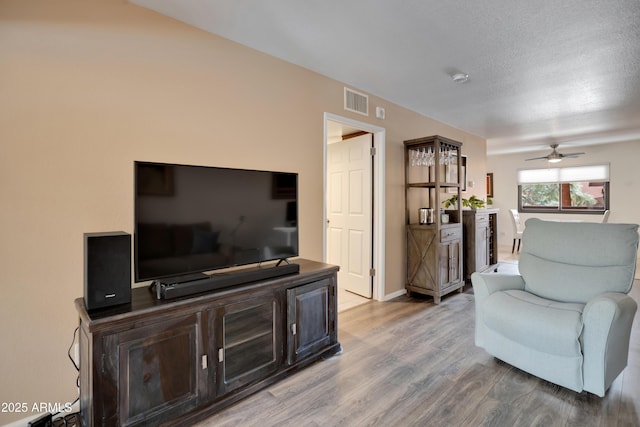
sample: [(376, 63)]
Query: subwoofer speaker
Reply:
[(107, 269)]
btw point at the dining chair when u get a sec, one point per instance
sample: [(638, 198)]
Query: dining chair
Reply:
[(517, 229), (605, 217)]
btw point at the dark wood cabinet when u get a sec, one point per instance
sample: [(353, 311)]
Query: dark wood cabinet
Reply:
[(173, 362), (480, 240), (311, 318), (156, 363)]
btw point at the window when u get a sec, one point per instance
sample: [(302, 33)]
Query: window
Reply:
[(583, 189)]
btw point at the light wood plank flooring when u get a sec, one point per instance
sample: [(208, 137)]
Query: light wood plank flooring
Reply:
[(408, 362), (347, 300)]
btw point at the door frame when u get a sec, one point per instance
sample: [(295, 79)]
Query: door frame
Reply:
[(378, 220)]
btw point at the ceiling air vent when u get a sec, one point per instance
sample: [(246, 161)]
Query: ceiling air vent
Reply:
[(356, 102)]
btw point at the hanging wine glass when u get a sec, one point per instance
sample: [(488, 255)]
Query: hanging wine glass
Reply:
[(431, 158)]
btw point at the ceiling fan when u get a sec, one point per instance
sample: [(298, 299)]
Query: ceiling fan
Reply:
[(554, 156)]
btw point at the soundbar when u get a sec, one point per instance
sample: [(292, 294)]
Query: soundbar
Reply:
[(169, 290)]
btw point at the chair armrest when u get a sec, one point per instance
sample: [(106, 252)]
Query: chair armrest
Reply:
[(607, 321), (484, 284)]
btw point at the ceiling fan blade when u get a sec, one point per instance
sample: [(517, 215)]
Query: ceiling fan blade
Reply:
[(572, 154), (538, 158)]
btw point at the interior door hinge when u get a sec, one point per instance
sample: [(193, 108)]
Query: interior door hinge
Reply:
[(221, 355), (293, 329), (204, 361), (373, 151), (372, 272)]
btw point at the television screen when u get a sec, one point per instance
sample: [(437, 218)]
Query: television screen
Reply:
[(191, 219)]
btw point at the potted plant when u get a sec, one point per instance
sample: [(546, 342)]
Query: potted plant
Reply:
[(472, 202), (451, 202)]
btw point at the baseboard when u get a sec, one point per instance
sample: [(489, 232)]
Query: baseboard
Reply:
[(395, 294)]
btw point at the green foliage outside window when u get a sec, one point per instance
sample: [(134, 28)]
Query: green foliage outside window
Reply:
[(547, 195), (580, 198)]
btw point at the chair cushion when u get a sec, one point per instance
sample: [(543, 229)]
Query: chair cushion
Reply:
[(547, 326), (574, 262)]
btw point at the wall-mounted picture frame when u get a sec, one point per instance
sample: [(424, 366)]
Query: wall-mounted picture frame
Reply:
[(490, 184)]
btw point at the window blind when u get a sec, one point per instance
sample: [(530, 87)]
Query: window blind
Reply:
[(569, 174)]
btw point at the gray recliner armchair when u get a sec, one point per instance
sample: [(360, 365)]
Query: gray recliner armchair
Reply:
[(566, 317)]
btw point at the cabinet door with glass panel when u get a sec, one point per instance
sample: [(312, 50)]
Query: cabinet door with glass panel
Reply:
[(251, 335)]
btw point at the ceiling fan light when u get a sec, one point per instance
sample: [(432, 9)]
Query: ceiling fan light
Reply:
[(554, 156)]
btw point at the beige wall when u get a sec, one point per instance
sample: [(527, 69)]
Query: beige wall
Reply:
[(624, 175), (88, 87)]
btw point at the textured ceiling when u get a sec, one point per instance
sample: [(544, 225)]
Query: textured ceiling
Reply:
[(541, 71)]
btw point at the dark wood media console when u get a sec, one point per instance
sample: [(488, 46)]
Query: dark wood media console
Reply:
[(174, 362)]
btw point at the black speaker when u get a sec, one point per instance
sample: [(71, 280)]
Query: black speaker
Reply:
[(107, 269)]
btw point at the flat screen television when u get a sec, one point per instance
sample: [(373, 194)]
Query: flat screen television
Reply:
[(192, 219)]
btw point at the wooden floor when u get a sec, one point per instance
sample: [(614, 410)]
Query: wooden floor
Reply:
[(408, 362)]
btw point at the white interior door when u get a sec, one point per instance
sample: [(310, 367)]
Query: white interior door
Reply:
[(349, 212)]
